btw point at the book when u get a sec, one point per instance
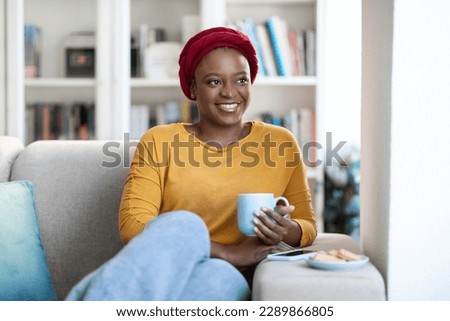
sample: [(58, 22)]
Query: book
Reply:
[(250, 30), (172, 112), (29, 121), (285, 49), (83, 118), (277, 29), (310, 52), (32, 44), (135, 69), (275, 42), (301, 51), (308, 132), (294, 122), (139, 120), (293, 47), (266, 50)]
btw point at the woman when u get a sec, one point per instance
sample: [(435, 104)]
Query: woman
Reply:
[(178, 209)]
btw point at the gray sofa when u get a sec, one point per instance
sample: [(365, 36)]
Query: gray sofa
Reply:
[(78, 186)]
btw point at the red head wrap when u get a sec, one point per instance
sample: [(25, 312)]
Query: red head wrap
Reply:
[(207, 40)]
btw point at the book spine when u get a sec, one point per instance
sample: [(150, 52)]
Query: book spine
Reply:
[(30, 116), (310, 40), (301, 51), (266, 50), (251, 33), (32, 44), (292, 35), (275, 41), (282, 32), (46, 122)]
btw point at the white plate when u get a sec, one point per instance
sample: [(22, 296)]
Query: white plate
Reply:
[(338, 265)]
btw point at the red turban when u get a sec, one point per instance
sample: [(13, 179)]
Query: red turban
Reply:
[(207, 40)]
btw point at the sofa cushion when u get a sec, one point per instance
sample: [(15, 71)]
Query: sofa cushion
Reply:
[(296, 281), (24, 274)]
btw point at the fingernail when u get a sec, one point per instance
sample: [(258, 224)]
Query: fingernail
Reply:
[(264, 209), (256, 221), (257, 213)]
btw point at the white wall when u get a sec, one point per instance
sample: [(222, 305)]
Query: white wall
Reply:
[(341, 70), (405, 132)]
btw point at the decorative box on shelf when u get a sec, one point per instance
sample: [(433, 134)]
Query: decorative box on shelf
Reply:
[(80, 54)]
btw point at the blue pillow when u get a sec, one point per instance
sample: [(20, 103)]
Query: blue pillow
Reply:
[(24, 273)]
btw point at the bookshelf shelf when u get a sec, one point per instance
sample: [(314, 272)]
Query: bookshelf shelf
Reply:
[(144, 82), (286, 81), (278, 2), (60, 82), (260, 81)]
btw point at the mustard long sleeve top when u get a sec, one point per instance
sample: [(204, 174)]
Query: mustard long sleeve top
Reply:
[(173, 170)]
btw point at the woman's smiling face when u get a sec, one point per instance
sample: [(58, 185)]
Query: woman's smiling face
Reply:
[(222, 87)]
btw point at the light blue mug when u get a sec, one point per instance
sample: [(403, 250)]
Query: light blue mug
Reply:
[(249, 203)]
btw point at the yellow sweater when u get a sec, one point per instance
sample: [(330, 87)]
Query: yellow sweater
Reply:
[(173, 170)]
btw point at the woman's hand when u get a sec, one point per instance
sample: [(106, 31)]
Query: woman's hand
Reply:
[(247, 253), (272, 227)]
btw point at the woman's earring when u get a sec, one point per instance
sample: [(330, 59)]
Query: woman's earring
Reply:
[(192, 95)]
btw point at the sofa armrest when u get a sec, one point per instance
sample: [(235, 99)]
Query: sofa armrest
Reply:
[(296, 281), (10, 147)]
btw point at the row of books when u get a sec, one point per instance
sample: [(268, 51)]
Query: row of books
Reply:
[(144, 116), (281, 50), (300, 121), (60, 121)]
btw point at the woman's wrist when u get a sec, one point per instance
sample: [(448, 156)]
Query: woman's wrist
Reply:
[(294, 235), (218, 251)]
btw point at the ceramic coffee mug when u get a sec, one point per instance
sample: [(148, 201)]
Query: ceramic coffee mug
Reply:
[(248, 204)]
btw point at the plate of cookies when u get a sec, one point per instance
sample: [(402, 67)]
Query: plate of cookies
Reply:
[(341, 259)]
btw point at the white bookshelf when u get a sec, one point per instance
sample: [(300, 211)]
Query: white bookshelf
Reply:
[(59, 82), (150, 83), (286, 81), (114, 91)]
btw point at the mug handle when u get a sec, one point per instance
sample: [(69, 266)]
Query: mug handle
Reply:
[(281, 198)]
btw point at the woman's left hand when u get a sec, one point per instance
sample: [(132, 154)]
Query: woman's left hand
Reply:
[(272, 227)]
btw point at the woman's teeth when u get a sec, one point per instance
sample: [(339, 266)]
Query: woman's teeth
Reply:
[(228, 107)]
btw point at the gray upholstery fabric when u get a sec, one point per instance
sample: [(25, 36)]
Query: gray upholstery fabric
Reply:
[(296, 281), (10, 147), (77, 202)]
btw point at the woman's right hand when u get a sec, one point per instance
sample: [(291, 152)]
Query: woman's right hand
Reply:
[(247, 253)]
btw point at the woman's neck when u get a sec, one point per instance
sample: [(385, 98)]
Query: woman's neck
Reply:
[(219, 137)]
